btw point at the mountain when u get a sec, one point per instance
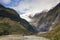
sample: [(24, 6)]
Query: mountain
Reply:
[(45, 21), (53, 18), (36, 18), (12, 23)]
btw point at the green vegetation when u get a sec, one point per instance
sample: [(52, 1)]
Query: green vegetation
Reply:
[(4, 29), (12, 27), (54, 34)]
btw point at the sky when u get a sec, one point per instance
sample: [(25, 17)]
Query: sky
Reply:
[(29, 7)]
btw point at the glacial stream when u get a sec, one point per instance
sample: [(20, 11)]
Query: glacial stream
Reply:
[(12, 37)]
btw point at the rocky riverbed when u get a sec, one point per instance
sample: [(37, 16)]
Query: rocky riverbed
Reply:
[(17, 37)]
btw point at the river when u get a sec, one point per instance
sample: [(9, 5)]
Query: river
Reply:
[(12, 37)]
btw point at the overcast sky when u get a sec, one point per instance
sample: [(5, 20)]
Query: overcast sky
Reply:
[(26, 7)]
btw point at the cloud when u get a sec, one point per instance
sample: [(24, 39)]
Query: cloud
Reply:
[(35, 6), (6, 1), (10, 3), (30, 7)]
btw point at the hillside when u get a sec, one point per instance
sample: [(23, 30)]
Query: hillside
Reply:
[(12, 23), (54, 34)]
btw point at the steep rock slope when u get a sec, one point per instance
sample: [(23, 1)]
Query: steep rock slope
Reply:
[(45, 21)]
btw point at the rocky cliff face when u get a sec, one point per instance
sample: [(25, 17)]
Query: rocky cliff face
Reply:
[(45, 21), (11, 23)]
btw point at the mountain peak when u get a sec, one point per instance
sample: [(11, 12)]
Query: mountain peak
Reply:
[(58, 5)]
